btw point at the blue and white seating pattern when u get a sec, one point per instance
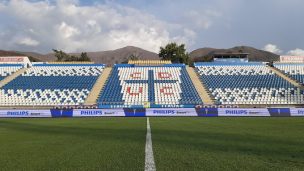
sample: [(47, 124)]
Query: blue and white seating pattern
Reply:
[(6, 70), (295, 71), (154, 85), (248, 84), (51, 85)]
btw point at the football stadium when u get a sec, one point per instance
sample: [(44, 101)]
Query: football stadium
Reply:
[(229, 114), (151, 85)]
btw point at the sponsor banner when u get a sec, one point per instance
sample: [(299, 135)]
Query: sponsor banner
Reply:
[(297, 111), (279, 111), (242, 112), (171, 112), (134, 112), (56, 113), (14, 59), (207, 112), (67, 113), (171, 106), (25, 113), (98, 112), (119, 106), (292, 59)]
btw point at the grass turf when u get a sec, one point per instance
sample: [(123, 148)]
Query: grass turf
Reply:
[(72, 144), (228, 143), (178, 143)]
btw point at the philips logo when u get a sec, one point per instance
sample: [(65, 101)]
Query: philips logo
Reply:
[(91, 112), (18, 113), (236, 112), (301, 112), (163, 112)]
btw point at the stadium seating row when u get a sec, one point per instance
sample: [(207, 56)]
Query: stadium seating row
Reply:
[(51, 85), (6, 70), (156, 86), (295, 71), (251, 83)]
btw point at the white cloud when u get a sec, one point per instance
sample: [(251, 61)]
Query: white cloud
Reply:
[(68, 26), (272, 48), (296, 52), (188, 37), (201, 19), (28, 42), (67, 31)]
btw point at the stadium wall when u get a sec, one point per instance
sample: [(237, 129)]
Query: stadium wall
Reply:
[(154, 112)]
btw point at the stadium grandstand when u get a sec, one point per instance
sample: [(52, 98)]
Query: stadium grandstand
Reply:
[(295, 71), (248, 83), (168, 85), (229, 80), (8, 69), (47, 84)]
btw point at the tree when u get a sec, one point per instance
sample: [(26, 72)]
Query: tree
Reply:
[(60, 55), (64, 57), (84, 57), (175, 53), (133, 57)]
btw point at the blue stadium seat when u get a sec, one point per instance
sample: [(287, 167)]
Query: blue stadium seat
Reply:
[(295, 71), (51, 85), (8, 69), (247, 83)]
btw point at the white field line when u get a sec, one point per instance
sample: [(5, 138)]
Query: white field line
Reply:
[(149, 158)]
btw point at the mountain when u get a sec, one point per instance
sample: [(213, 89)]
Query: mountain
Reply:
[(121, 55), (254, 54), (109, 57), (9, 53)]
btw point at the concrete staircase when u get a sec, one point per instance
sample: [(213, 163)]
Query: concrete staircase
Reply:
[(94, 94), (200, 88), (286, 77), (11, 77)]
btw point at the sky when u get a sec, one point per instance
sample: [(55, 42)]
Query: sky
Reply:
[(90, 25)]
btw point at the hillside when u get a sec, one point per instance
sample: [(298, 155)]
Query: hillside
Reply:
[(111, 57), (9, 53)]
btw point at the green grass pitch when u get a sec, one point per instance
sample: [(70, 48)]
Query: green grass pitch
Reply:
[(178, 143)]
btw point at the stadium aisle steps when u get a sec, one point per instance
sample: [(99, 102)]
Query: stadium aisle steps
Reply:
[(97, 88), (200, 88), (8, 79), (286, 77)]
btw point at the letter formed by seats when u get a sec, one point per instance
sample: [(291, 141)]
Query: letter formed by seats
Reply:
[(134, 92), (136, 75), (164, 75), (166, 91)]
